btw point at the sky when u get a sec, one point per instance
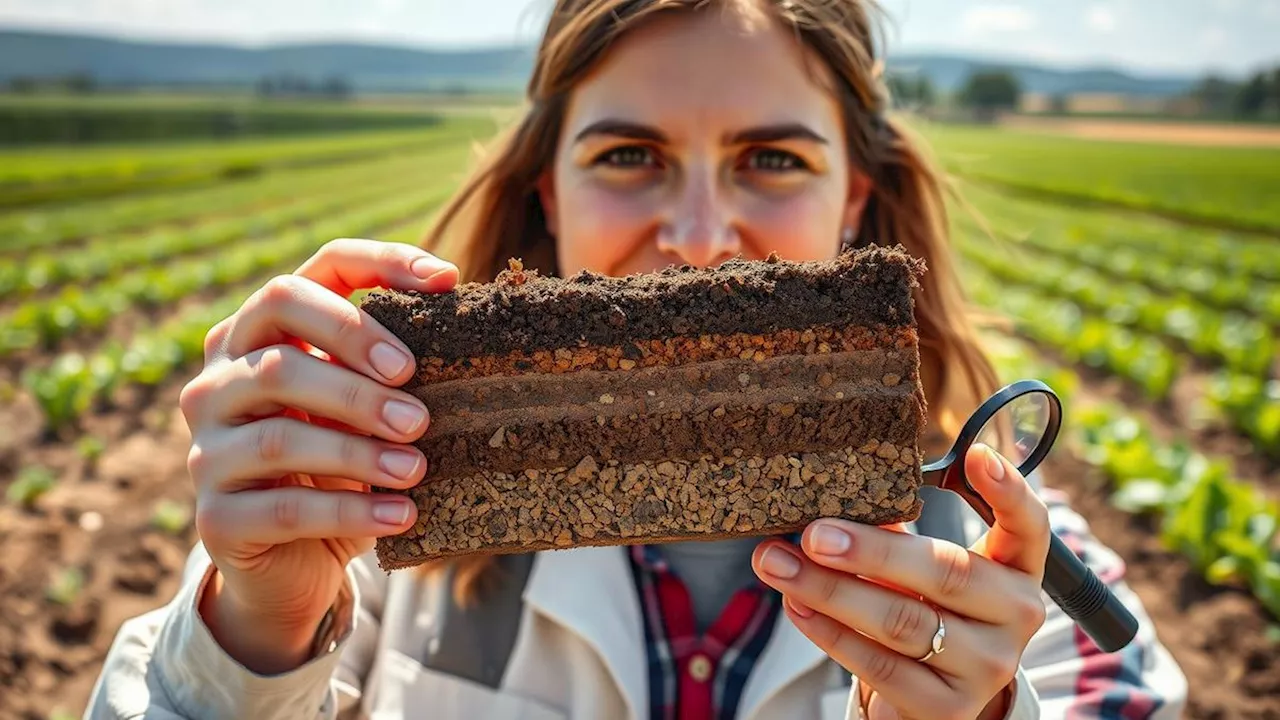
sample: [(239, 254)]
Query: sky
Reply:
[(1151, 36)]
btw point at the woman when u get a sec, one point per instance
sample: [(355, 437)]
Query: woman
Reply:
[(659, 132)]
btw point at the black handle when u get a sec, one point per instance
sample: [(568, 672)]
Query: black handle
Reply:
[(1083, 597)]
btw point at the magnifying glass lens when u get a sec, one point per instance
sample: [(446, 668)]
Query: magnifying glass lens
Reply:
[(1018, 427)]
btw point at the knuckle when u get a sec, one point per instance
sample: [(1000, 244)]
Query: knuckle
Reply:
[(1029, 613), (828, 588), (278, 292), (347, 330), (215, 339), (956, 570), (881, 667), (192, 398), (904, 619), (198, 463), (997, 666), (286, 511), (272, 440), (209, 519), (275, 368), (338, 246), (352, 452), (349, 511), (355, 397), (879, 551)]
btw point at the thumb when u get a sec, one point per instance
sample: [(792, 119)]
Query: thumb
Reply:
[(1020, 536)]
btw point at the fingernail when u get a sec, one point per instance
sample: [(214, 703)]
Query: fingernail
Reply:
[(398, 463), (391, 512), (425, 267), (779, 563), (402, 416), (995, 468), (388, 360), (800, 608), (829, 540)]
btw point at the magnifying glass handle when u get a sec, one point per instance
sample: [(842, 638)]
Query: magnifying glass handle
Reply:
[(1086, 599)]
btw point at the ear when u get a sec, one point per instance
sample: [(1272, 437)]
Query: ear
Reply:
[(859, 194), (547, 196)]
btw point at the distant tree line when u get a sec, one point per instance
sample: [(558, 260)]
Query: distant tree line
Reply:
[(984, 94), (290, 85), (79, 83), (1255, 98)]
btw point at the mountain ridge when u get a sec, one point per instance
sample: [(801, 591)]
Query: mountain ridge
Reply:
[(381, 66)]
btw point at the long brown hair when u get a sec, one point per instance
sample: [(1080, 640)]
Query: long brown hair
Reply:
[(497, 214)]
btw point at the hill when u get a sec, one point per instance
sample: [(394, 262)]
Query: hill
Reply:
[(114, 61)]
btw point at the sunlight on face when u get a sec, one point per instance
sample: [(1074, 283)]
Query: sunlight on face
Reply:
[(700, 137)]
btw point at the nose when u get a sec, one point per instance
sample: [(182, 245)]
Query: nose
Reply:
[(699, 229)]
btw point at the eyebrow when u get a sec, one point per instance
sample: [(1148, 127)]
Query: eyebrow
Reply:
[(762, 134)]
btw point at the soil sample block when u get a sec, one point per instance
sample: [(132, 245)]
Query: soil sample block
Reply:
[(749, 399)]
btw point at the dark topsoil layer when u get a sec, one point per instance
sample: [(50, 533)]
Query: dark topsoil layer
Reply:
[(525, 311)]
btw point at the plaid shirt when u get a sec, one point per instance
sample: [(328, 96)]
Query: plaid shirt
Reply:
[(703, 677), (691, 676)]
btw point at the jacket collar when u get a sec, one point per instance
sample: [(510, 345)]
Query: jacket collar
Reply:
[(588, 591)]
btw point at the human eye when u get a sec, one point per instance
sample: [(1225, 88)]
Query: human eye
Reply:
[(775, 160), (627, 157)]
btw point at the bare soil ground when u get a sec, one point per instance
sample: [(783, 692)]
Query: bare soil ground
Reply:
[(1176, 133), (98, 520)]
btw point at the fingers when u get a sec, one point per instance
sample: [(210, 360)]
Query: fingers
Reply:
[(291, 306), (950, 576), (346, 265), (243, 456), (282, 515), (282, 376), (901, 623), (912, 688), (1020, 536)]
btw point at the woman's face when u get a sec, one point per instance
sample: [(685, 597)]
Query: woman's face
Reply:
[(700, 137)]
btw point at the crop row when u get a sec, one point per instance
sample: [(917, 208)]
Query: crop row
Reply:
[(1224, 526), (76, 383), (1205, 256), (1230, 338), (44, 322), (1246, 402), (40, 176), (32, 229), (111, 256)]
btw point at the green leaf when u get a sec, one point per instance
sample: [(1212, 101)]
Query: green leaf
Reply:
[(1141, 495)]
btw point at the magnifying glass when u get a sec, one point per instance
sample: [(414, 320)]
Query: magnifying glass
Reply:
[(1021, 422)]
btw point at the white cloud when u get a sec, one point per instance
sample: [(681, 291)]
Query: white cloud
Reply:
[(1213, 38), (1101, 19), (995, 19)]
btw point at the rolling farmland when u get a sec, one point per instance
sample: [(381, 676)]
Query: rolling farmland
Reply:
[(1141, 281)]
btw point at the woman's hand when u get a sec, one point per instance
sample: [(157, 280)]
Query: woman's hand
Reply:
[(293, 418), (855, 590)]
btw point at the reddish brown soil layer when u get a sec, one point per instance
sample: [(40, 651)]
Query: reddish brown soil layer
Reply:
[(523, 311), (611, 502), (802, 403)]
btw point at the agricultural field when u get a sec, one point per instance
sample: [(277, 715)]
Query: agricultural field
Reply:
[(1224, 187), (1141, 282)]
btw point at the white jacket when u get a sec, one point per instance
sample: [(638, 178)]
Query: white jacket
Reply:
[(579, 655)]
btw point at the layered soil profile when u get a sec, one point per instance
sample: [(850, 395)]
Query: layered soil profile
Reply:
[(751, 398)]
